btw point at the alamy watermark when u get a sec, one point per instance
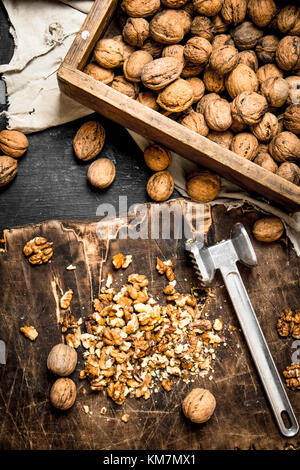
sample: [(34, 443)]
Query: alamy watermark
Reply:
[(2, 352), (296, 353), (158, 221)]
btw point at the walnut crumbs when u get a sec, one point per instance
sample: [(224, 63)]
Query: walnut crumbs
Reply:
[(132, 343)]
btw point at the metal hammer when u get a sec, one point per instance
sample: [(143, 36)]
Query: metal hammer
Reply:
[(224, 256)]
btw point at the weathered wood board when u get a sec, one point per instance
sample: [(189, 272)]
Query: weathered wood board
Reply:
[(29, 295)]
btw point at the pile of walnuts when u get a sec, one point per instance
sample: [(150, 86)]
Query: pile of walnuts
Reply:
[(226, 69)]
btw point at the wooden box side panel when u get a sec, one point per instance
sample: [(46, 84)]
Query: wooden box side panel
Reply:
[(94, 26)]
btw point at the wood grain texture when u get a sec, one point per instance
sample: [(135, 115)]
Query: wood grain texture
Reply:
[(157, 127), (29, 295)]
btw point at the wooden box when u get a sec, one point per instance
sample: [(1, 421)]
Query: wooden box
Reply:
[(153, 125)]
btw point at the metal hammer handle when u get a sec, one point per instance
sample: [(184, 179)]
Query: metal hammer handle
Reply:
[(260, 352)]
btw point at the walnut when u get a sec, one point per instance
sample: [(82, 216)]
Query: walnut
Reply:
[(136, 31), (208, 7), (223, 139), (101, 74), (292, 376), (62, 360), (63, 394), (221, 40), (268, 71), (13, 143), (267, 128), (140, 8), (263, 148), (197, 50), (218, 115), (169, 26), (245, 145), (266, 48), (261, 12), (101, 173), (160, 186), (294, 89), (292, 118), (38, 250), (249, 107), (134, 65), (174, 3), (198, 88), (191, 70), (109, 53), (205, 100), (242, 78), (203, 27), (127, 49), (157, 157), (290, 172), (219, 25), (237, 125), (246, 35), (268, 229), (288, 20), (285, 147), (266, 161), (174, 50), (176, 97), (161, 72), (89, 140), (199, 405), (248, 58), (195, 122), (8, 170), (30, 332), (148, 98), (234, 11), (288, 53), (154, 48), (213, 81), (276, 90), (203, 187), (125, 87), (189, 7), (224, 59)]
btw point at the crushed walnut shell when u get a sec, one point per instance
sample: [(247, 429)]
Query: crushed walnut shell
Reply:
[(66, 299), (30, 332), (288, 324), (38, 250), (132, 342), (292, 376)]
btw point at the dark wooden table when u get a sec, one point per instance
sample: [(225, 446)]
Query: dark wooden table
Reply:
[(51, 182)]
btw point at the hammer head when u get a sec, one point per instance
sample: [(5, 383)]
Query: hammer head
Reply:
[(225, 254)]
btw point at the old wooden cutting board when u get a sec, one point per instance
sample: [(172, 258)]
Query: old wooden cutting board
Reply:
[(29, 295)]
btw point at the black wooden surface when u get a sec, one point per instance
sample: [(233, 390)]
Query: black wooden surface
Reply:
[(51, 182)]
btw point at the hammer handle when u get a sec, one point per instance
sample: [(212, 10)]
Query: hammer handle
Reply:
[(260, 352)]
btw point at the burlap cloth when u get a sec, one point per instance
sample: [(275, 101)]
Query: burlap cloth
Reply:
[(43, 31)]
